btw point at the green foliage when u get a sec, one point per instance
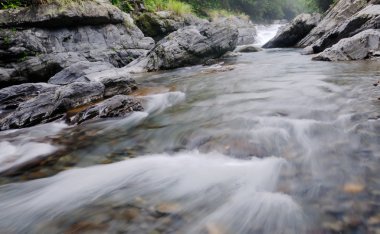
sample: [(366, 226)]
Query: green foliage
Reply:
[(178, 7), (10, 4), (217, 13), (261, 10), (155, 5), (124, 5)]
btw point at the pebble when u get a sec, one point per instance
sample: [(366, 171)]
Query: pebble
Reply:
[(374, 220), (213, 228), (131, 213), (352, 221), (216, 69), (333, 226), (353, 188), (167, 208), (82, 227)]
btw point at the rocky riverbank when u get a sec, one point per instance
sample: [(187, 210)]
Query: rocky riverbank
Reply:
[(348, 31), (58, 58)]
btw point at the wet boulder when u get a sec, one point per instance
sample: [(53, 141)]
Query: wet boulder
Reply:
[(189, 46), (118, 85), (115, 80), (52, 104), (247, 49), (72, 14), (291, 34), (37, 42), (77, 71), (367, 18), (117, 106), (160, 24), (361, 46), (11, 97), (246, 29), (37, 69), (336, 16)]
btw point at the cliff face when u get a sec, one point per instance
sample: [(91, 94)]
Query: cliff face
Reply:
[(38, 42), (342, 11), (55, 59), (345, 20)]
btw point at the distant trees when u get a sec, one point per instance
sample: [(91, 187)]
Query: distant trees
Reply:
[(263, 9), (324, 4)]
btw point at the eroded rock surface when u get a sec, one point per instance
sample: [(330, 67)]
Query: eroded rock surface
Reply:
[(189, 46), (160, 24), (246, 29), (32, 50), (51, 104), (117, 106), (361, 46), (292, 33), (367, 18)]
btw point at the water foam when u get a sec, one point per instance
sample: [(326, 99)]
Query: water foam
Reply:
[(245, 186), (159, 102), (19, 147), (266, 32)]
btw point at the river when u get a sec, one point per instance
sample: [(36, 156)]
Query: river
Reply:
[(276, 144)]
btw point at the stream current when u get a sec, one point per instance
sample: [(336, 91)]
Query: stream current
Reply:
[(276, 144)]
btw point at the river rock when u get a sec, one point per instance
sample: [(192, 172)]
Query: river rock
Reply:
[(342, 11), (367, 18), (246, 29), (52, 104), (247, 49), (77, 71), (51, 15), (12, 97), (361, 46), (189, 46), (32, 50), (117, 106), (292, 33), (160, 24), (115, 80), (38, 68)]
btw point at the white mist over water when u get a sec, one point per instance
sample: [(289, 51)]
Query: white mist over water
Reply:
[(266, 32), (300, 129), (190, 178), (154, 104), (22, 146)]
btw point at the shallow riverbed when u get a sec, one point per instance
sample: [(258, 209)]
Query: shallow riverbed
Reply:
[(276, 144)]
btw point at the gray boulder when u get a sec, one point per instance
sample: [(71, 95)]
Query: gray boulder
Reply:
[(117, 106), (88, 31), (12, 97), (38, 69), (367, 18), (115, 80), (291, 34), (51, 15), (118, 85), (51, 104), (343, 10), (160, 24), (189, 46), (246, 29), (247, 49), (8, 76), (77, 71), (361, 46)]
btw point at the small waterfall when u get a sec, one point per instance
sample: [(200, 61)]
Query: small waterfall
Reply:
[(266, 32)]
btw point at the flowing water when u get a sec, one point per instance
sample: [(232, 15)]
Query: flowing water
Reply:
[(279, 144)]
